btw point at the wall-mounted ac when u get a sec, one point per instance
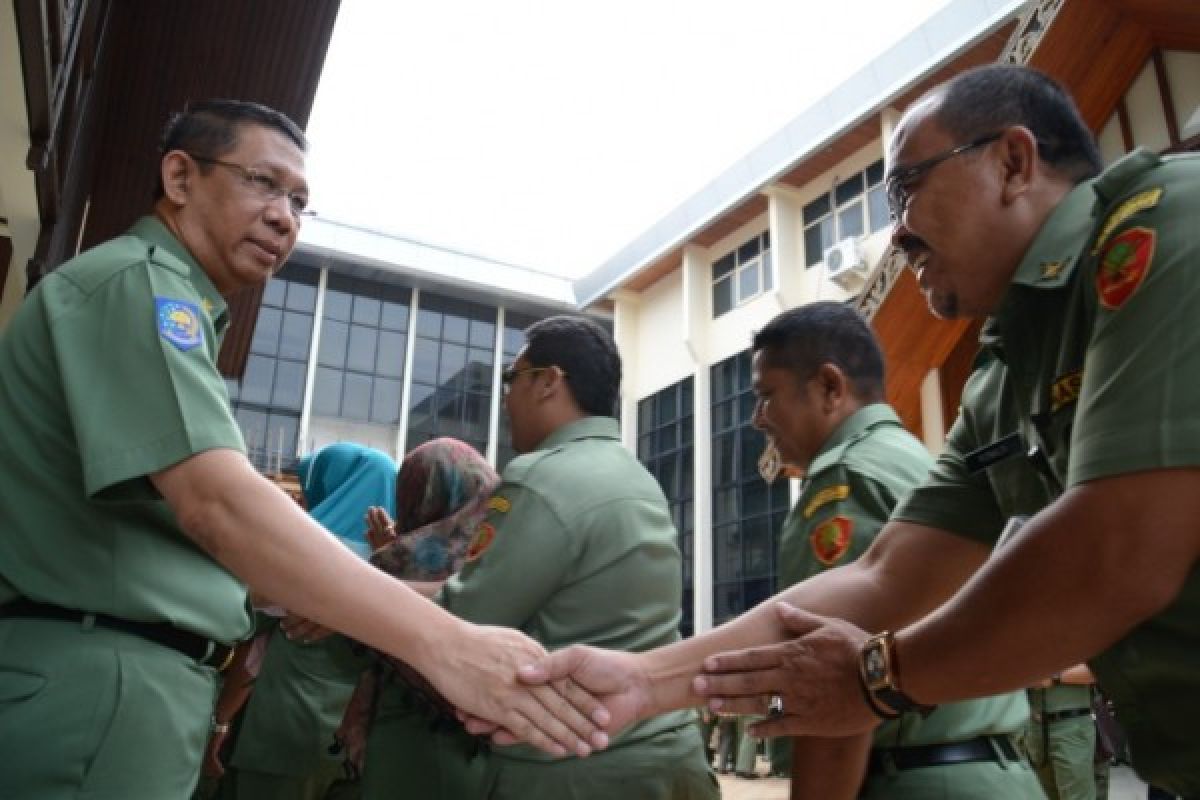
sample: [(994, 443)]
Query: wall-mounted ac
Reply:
[(845, 265)]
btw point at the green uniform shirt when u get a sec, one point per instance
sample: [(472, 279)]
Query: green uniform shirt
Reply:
[(1099, 337), (577, 547), (864, 469), (109, 375)]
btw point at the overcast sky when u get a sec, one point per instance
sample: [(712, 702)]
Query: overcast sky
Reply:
[(551, 133)]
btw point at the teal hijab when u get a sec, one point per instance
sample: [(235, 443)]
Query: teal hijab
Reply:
[(340, 482)]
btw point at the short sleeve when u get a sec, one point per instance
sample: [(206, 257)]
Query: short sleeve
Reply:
[(139, 378), (952, 498), (515, 562), (1137, 408)]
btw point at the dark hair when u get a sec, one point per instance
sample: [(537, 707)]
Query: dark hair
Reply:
[(586, 353), (210, 129), (987, 99), (804, 338)]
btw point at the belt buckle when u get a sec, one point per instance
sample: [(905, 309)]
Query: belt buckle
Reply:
[(226, 661)]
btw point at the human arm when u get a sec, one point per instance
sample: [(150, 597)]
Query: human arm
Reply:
[(829, 768), (236, 686), (218, 498)]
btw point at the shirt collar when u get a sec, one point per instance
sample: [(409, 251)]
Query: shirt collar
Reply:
[(1050, 260), (585, 428), (852, 428), (152, 230)]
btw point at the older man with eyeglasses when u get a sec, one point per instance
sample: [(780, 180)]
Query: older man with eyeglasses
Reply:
[(129, 514)]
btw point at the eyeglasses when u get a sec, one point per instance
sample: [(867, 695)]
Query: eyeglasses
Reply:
[(263, 185), (899, 182), (508, 375)]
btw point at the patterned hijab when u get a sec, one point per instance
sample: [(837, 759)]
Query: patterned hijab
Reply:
[(340, 482)]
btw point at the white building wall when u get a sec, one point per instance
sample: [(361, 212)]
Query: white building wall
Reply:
[(1183, 73), (1146, 117)]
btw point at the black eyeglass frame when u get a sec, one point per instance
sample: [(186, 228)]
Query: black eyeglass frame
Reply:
[(897, 183), (262, 183)]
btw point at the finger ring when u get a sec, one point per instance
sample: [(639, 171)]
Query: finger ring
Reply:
[(775, 706)]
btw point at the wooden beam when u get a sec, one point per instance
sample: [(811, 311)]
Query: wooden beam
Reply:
[(1164, 94)]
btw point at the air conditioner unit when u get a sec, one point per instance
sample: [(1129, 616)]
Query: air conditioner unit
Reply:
[(845, 265)]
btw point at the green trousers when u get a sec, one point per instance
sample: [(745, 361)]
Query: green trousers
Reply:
[(91, 712), (667, 766), (981, 780), (1063, 752), (325, 783)]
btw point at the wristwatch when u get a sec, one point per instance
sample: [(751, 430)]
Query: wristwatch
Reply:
[(221, 728), (879, 672)]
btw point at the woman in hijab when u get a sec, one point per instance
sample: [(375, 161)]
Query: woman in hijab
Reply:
[(409, 747), (282, 749)]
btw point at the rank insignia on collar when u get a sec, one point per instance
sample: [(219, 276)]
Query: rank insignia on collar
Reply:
[(1051, 269), (500, 505), (1066, 389), (178, 322), (484, 535), (207, 305), (831, 539), (826, 496), (1124, 265)]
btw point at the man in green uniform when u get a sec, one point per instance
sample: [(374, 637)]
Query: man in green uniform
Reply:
[(1061, 741), (127, 505), (1088, 282), (578, 546), (819, 379)]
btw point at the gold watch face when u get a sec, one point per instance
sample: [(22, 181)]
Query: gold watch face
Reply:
[(875, 666)]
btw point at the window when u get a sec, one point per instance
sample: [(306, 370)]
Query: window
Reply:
[(515, 324), (742, 274), (747, 513), (267, 399), (665, 428), (857, 205), (360, 358), (452, 371)]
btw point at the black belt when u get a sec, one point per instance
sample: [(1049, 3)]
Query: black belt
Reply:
[(204, 651), (982, 748), (1058, 716)]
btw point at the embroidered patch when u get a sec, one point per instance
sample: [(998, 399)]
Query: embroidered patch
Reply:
[(499, 505), (178, 322), (1124, 265), (827, 495), (1139, 202), (1066, 390), (831, 539), (484, 535)]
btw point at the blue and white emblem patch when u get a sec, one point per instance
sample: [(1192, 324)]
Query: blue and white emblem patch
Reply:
[(178, 322)]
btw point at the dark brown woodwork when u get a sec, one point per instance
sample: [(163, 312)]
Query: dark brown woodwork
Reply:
[(1125, 125), (1164, 94), (5, 258)]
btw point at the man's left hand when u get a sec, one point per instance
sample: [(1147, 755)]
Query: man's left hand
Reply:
[(816, 675)]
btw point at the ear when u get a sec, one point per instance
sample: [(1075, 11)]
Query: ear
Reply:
[(833, 385), (550, 381), (1019, 161), (175, 171)]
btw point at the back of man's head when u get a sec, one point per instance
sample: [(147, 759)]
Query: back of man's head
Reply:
[(210, 129), (803, 339), (987, 99), (586, 353)]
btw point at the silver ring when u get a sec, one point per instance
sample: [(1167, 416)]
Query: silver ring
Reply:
[(775, 706)]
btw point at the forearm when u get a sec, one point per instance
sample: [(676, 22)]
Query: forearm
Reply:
[(1074, 580), (829, 769)]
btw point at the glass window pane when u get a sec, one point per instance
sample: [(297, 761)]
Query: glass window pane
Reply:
[(475, 416), (667, 438), (756, 544), (685, 396), (724, 459), (768, 279), (483, 334), (281, 439), (748, 251), (337, 305), (366, 311), (301, 297), (421, 399), (645, 414), (395, 317), (454, 328), (453, 364), (327, 392), (875, 173), (666, 406), (850, 221), (256, 383), (754, 496), (356, 397), (389, 358), (293, 341), (724, 265), (385, 401), (668, 476), (425, 358), (728, 552), (448, 413), (479, 370), (848, 189), (752, 447), (274, 292), (812, 246), (361, 354), (254, 428), (878, 208), (429, 323), (289, 385), (747, 282), (514, 340), (266, 332), (332, 350), (722, 296), (816, 209), (686, 429)]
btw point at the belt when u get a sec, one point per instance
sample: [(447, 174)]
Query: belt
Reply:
[(1058, 716), (194, 646), (981, 748)]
